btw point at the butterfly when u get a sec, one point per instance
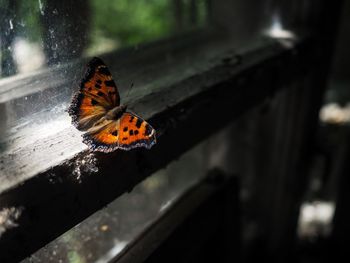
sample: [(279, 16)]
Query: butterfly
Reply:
[(96, 109)]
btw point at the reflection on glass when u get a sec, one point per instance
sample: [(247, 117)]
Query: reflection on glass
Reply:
[(276, 29), (35, 33)]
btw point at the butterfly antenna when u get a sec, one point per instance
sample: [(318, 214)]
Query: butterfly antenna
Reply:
[(131, 86)]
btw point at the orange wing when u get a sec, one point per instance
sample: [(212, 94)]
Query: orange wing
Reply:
[(97, 94), (103, 136), (126, 133), (135, 132)]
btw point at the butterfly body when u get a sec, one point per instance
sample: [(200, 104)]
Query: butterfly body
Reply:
[(96, 109), (116, 112)]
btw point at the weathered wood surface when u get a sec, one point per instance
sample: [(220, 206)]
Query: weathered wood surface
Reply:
[(39, 134), (36, 130)]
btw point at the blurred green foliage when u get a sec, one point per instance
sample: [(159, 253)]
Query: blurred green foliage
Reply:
[(135, 21), (131, 21)]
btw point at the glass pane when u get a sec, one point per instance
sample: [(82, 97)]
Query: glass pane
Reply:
[(35, 33)]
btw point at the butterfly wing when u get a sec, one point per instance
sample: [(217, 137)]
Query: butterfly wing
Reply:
[(126, 133), (103, 136), (97, 94), (135, 132)]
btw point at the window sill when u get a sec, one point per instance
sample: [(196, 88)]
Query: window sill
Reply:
[(180, 93)]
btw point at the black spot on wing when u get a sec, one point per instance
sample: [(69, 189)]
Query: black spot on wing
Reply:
[(138, 123), (97, 86), (136, 132), (100, 93), (125, 138), (110, 83), (115, 133), (99, 81), (125, 129), (131, 119), (148, 130), (94, 102), (131, 132)]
